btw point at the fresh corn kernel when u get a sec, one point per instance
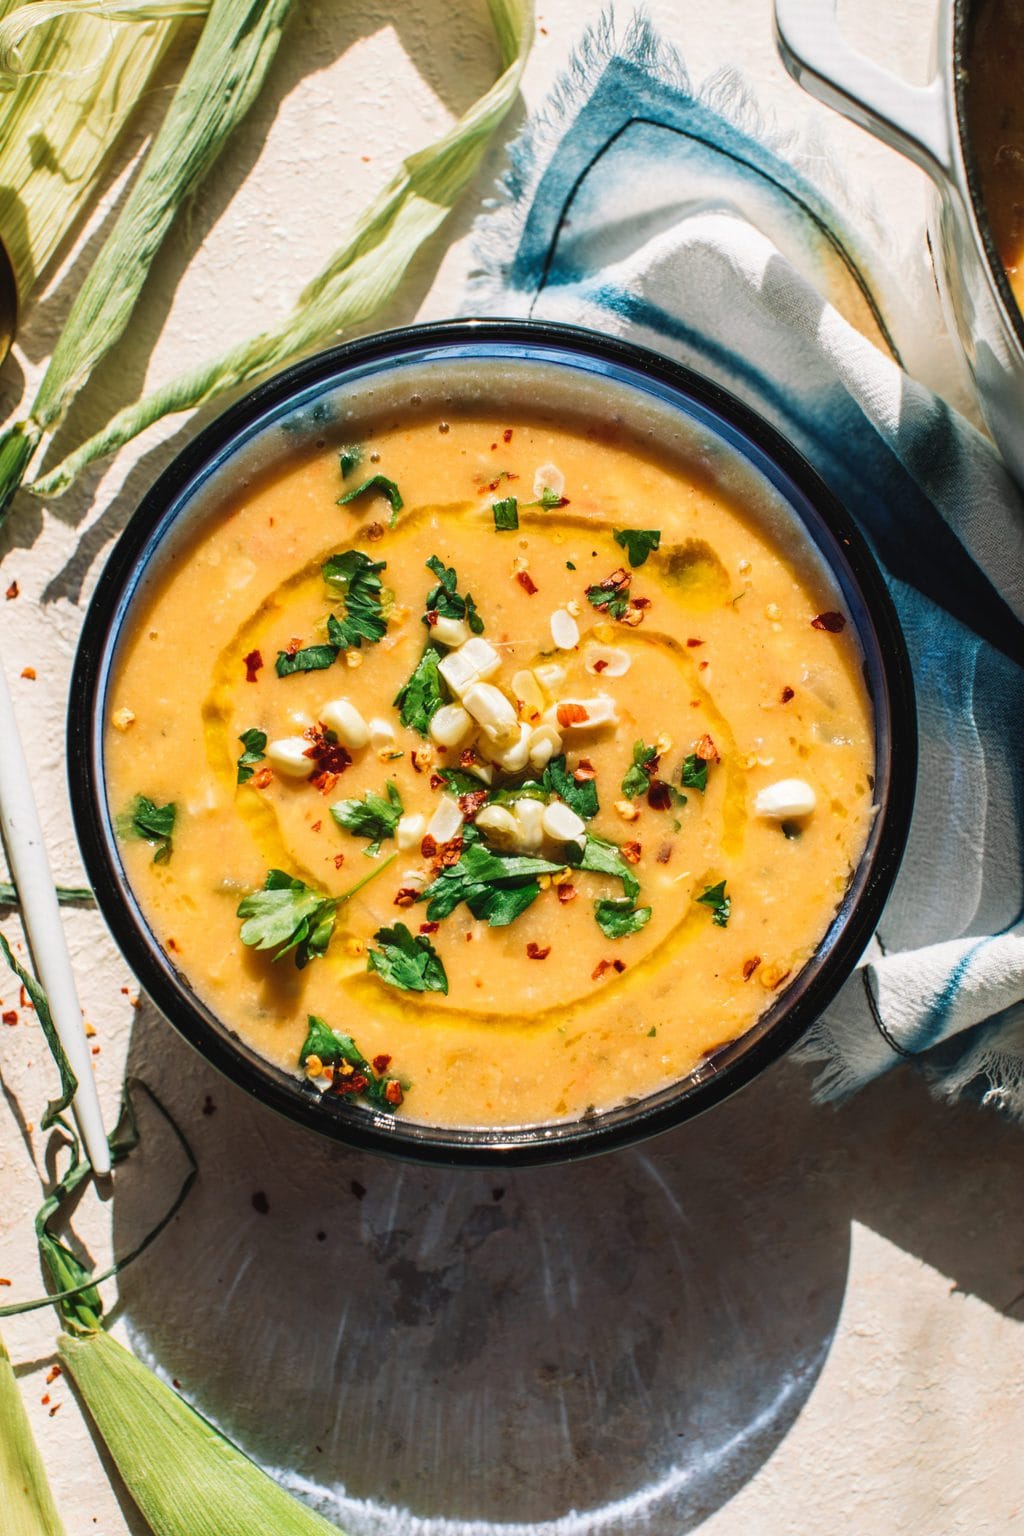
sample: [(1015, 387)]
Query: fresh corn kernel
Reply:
[(353, 658), (288, 757), (122, 719), (342, 717)]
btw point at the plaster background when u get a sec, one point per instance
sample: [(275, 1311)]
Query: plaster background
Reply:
[(779, 1319)]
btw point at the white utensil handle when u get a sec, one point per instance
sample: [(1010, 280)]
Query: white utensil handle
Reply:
[(30, 868)]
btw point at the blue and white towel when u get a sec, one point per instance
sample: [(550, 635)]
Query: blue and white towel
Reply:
[(640, 209)]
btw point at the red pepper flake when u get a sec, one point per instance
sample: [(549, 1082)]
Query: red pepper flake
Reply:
[(10, 1017), (23, 1001), (339, 859), (584, 771), (833, 623), (52, 1374), (527, 582), (468, 758), (535, 952), (777, 984), (473, 803), (431, 617), (29, 673), (429, 927), (324, 782), (436, 781), (428, 846), (95, 1050), (694, 643), (262, 777), (631, 852), (506, 436), (599, 969), (750, 966), (4, 1280), (571, 714), (702, 666), (357, 1083), (45, 1399), (566, 893), (375, 531), (659, 795), (407, 896), (328, 753), (316, 826), (706, 750), (664, 853), (54, 1409), (393, 1092), (294, 644), (381, 1064), (640, 602), (785, 695), (619, 966), (252, 664), (174, 945), (449, 853), (12, 591), (599, 665)]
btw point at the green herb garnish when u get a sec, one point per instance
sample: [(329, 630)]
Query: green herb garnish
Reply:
[(611, 595), (637, 542), (255, 744), (720, 904), (312, 658), (548, 499), (153, 823), (616, 918), (350, 459), (695, 772), (336, 1050), (373, 816), (580, 795), (638, 775), (569, 565), (356, 578), (288, 915), (492, 886), (460, 782), (506, 514), (381, 484), (444, 599), (407, 961), (603, 858), (423, 695)]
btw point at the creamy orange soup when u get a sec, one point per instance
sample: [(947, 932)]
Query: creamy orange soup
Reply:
[(996, 111), (605, 832)]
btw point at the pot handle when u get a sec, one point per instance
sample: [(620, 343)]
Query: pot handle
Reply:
[(910, 118)]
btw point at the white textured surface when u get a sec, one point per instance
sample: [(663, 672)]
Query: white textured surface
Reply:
[(806, 1321)]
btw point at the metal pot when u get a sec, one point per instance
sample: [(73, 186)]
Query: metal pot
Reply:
[(930, 125)]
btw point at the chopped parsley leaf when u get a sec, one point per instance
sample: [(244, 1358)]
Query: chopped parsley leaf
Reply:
[(580, 795), (548, 499), (637, 542), (493, 887), (356, 578), (153, 823), (695, 772), (604, 858), (407, 961), (287, 915), (422, 696), (255, 744), (619, 916), (720, 904), (506, 514), (611, 596), (460, 782), (638, 776), (312, 658), (350, 459), (445, 600), (336, 1050), (381, 484), (529, 789), (373, 816)]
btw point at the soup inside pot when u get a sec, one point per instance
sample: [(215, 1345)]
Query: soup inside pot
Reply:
[(489, 754), (995, 105)]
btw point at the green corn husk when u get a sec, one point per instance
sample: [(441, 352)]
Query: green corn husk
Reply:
[(359, 278), (186, 1478), (70, 82), (27, 1503), (224, 75)]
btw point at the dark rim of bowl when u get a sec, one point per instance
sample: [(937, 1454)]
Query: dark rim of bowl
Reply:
[(964, 17), (729, 1069)]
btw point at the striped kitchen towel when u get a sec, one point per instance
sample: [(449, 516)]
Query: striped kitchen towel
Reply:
[(646, 210)]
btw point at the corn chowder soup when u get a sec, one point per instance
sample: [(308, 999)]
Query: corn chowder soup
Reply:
[(489, 766), (996, 111)]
